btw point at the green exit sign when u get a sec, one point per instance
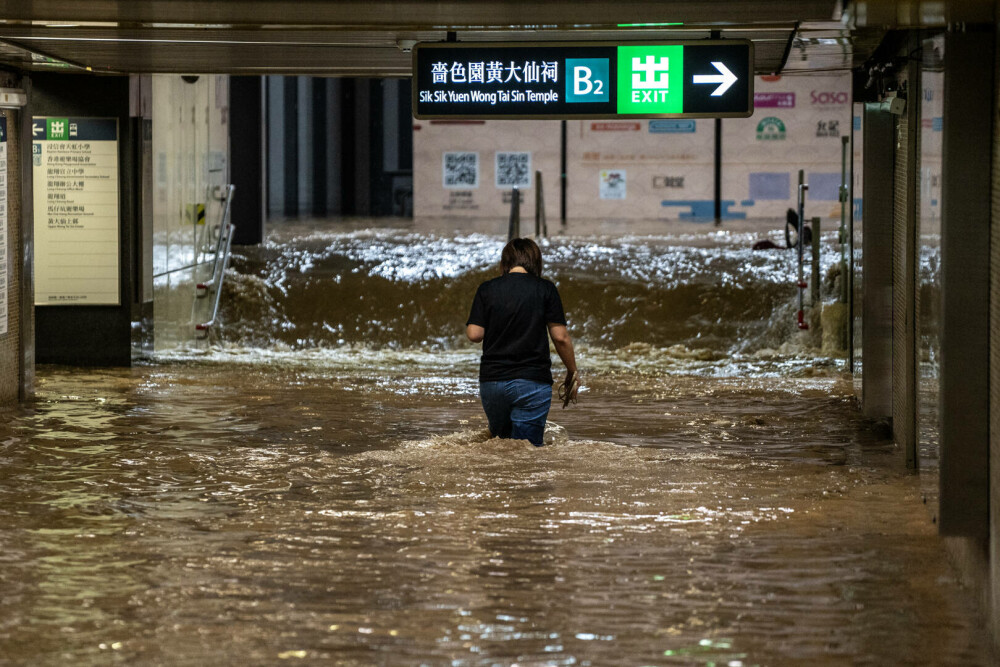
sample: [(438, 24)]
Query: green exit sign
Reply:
[(650, 80), (56, 128), (686, 79)]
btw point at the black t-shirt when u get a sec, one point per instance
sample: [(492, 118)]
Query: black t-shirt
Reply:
[(515, 310)]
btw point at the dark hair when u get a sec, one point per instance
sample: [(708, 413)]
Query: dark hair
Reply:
[(524, 253)]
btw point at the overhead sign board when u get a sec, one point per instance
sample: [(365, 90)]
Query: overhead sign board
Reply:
[(689, 79)]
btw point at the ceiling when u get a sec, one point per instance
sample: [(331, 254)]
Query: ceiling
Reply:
[(372, 37)]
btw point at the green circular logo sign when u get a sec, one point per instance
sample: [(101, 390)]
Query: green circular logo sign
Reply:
[(770, 129)]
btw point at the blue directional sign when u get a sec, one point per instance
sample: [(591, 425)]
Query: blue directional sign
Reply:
[(686, 79), (672, 126), (588, 80)]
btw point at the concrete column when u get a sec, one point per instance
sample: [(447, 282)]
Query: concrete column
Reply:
[(876, 275), (965, 273), (275, 175), (994, 424), (246, 146), (140, 113), (27, 235), (906, 258), (290, 117), (334, 156), (392, 127), (92, 335), (362, 156), (16, 287), (318, 140), (304, 139)]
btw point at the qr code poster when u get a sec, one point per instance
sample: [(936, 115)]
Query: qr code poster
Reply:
[(461, 170), (513, 169), (613, 184)]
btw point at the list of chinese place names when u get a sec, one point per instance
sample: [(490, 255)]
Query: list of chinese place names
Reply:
[(75, 169)]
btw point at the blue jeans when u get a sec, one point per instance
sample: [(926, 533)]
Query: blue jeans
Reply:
[(516, 408)]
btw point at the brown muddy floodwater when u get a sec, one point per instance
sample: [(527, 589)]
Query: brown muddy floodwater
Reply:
[(284, 498)]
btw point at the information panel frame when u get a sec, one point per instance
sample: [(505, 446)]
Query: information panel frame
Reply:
[(77, 212), (454, 80)]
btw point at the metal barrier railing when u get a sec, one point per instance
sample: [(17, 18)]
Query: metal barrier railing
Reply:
[(814, 287), (223, 246), (218, 251), (514, 223), (803, 187), (541, 224)]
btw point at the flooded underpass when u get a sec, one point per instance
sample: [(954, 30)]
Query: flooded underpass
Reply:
[(318, 486)]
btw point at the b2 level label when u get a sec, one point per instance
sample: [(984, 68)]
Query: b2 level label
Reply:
[(710, 78), (589, 80)]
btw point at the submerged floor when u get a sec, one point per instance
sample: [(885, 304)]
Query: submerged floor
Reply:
[(317, 487), (333, 508)]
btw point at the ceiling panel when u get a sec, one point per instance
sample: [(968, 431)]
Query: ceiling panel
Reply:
[(269, 58), (423, 14), (370, 38), (224, 58), (330, 53)]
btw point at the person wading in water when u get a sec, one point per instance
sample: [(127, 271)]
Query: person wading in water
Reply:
[(511, 316)]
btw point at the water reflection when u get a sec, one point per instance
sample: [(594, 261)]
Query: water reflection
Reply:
[(215, 512), (713, 500)]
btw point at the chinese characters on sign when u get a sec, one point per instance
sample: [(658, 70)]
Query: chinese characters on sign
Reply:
[(75, 171), (668, 181), (828, 128), (480, 72), (492, 72)]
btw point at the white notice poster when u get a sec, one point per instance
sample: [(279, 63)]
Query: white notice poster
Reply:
[(460, 169), (75, 170), (513, 170), (612, 184), (3, 227)]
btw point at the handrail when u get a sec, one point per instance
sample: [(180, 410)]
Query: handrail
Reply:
[(814, 287), (227, 197), (803, 186), (218, 275)]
